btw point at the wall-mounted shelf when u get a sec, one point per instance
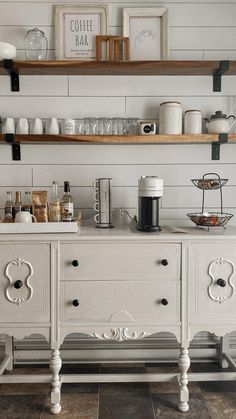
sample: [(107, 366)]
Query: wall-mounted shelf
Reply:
[(215, 139), (139, 68), (122, 68), (120, 139)]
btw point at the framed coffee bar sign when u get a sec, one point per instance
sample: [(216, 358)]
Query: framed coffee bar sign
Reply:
[(76, 27)]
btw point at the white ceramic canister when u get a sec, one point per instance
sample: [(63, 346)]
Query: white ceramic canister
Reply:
[(193, 122), (170, 118)]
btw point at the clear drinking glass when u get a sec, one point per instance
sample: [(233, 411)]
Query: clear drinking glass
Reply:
[(119, 126), (132, 126), (79, 126), (91, 126), (105, 126), (36, 45)]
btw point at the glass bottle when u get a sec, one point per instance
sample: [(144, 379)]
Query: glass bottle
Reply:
[(55, 206), (17, 205), (67, 205), (36, 45), (9, 208), (27, 206)]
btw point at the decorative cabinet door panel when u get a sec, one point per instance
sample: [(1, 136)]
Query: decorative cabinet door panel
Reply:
[(24, 282), (123, 261), (213, 282), (120, 302)]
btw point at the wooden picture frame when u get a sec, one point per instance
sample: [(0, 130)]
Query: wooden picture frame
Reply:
[(76, 28), (147, 29)]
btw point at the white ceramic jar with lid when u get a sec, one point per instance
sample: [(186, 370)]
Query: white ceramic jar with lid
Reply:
[(170, 118), (193, 122)]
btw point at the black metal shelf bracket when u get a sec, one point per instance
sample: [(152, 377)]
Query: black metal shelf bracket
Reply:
[(16, 152), (215, 147), (223, 68), (14, 75)]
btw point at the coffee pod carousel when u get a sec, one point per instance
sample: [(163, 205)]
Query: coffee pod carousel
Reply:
[(210, 219)]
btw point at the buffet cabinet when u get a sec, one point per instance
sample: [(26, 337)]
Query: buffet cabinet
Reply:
[(117, 285)]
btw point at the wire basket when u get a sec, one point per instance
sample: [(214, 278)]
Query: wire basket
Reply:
[(209, 184), (210, 219)]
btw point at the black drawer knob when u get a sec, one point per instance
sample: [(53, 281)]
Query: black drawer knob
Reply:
[(221, 282), (75, 263), (164, 262), (75, 303), (164, 302), (18, 284)]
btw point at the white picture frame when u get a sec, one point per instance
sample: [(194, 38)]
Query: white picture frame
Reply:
[(147, 29), (76, 27)]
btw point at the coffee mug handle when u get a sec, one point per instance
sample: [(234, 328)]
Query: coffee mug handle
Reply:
[(95, 184), (96, 218), (96, 206), (34, 218)]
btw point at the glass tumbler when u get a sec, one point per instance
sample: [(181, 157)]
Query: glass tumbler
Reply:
[(105, 126), (119, 126), (90, 126), (132, 126), (36, 45), (79, 123)]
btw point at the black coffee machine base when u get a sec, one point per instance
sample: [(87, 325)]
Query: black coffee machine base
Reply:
[(149, 229)]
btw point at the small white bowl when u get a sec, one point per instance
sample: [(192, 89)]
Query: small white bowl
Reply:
[(7, 51)]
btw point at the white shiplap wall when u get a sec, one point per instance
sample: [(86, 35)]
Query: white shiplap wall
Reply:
[(198, 30)]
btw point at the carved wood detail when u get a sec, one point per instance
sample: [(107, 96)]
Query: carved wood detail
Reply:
[(120, 334), (19, 300), (218, 298)]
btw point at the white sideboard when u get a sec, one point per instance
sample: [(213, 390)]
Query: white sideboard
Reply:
[(118, 284)]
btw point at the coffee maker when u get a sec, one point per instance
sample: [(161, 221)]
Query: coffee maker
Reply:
[(150, 190)]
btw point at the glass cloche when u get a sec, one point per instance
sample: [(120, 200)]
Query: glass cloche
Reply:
[(36, 45)]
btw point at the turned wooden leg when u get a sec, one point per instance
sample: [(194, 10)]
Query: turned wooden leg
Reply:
[(55, 366), (184, 364)]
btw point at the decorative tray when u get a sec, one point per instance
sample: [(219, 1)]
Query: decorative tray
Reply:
[(21, 228)]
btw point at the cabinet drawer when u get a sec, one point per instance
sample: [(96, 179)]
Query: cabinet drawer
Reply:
[(119, 302), (124, 261), (213, 282), (24, 283)]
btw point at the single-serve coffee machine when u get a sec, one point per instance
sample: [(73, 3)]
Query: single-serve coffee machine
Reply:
[(150, 190), (102, 206)]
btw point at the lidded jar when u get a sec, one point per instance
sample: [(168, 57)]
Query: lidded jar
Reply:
[(170, 118), (193, 122), (36, 45)]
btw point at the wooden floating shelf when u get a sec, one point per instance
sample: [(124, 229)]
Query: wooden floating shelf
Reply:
[(138, 68), (119, 139)]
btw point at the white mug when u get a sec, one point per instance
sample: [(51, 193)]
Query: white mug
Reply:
[(52, 126), (22, 126), (9, 126), (24, 217), (69, 127), (36, 126)]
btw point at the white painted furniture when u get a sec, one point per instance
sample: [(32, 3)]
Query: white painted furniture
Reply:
[(118, 284)]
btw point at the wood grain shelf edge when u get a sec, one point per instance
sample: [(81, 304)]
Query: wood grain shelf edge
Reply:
[(119, 139)]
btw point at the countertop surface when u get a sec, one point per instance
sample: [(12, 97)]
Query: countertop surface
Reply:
[(128, 232)]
